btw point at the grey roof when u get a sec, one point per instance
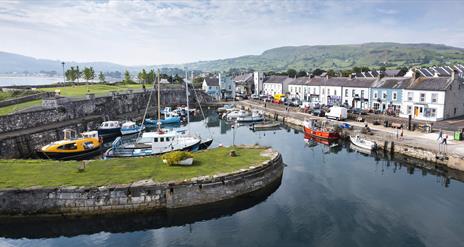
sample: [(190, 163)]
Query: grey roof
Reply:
[(276, 79), (244, 78), (212, 82), (391, 72), (392, 82), (300, 81), (347, 82), (431, 83)]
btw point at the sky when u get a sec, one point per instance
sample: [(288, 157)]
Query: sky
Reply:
[(172, 32)]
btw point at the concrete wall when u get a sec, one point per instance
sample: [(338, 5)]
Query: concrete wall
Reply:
[(140, 196)]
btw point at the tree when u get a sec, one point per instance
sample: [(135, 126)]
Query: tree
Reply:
[(291, 73), (356, 70), (365, 69), (127, 77), (71, 74), (89, 74), (318, 71), (382, 68), (198, 81), (331, 73), (301, 73), (101, 77), (151, 76)]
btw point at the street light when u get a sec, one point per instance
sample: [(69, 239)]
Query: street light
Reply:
[(64, 78)]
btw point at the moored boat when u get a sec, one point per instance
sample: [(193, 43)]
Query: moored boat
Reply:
[(363, 143), (110, 128), (320, 130), (265, 126), (73, 147), (236, 114), (129, 128), (254, 117)]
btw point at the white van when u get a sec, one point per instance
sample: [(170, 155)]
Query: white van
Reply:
[(337, 113)]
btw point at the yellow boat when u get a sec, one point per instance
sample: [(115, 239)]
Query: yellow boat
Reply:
[(73, 147)]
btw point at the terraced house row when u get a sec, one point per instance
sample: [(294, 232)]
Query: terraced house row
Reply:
[(430, 98)]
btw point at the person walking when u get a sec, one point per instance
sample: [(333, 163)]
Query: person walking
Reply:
[(440, 135), (445, 140)]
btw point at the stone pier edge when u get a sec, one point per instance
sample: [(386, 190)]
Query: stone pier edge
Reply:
[(140, 196)]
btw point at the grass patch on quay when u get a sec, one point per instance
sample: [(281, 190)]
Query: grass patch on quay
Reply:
[(21, 106), (97, 89), (48, 173)]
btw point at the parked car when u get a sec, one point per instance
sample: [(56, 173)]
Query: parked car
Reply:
[(358, 111), (254, 96), (295, 102), (318, 112), (337, 113), (305, 104)]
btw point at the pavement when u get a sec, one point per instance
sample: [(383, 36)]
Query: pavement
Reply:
[(414, 138)]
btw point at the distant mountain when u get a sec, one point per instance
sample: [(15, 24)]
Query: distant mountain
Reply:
[(277, 59), (340, 57)]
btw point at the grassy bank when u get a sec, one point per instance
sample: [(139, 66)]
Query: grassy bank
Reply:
[(46, 173), (97, 89), (21, 106)]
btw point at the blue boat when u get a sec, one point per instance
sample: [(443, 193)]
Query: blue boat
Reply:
[(167, 120), (129, 128)]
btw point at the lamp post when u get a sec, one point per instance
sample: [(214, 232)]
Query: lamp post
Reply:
[(64, 77)]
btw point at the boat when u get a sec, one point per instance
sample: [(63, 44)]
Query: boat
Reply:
[(363, 143), (309, 139), (265, 126), (110, 128), (154, 143), (254, 117), (73, 147), (236, 114), (323, 131), (166, 120), (226, 108), (130, 128), (204, 144)]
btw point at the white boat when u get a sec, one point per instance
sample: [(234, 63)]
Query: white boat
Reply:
[(163, 141), (226, 108), (236, 114), (363, 143), (254, 117), (108, 128), (129, 128)]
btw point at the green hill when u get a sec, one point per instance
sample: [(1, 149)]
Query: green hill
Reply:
[(390, 55)]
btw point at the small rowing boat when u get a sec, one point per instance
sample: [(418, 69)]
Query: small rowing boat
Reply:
[(363, 143)]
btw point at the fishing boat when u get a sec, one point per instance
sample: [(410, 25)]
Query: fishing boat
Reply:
[(73, 147), (130, 128), (254, 117), (110, 128), (363, 143), (236, 114), (320, 130), (311, 139)]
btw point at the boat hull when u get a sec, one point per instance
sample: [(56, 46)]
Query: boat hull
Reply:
[(70, 156), (329, 135), (109, 132), (140, 152), (205, 144)]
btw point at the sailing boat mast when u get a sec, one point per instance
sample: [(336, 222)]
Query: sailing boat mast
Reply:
[(187, 94), (159, 102)]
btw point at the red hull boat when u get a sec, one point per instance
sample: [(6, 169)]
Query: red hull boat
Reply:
[(320, 132)]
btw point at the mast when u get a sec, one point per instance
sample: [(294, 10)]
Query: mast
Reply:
[(159, 102), (187, 94)]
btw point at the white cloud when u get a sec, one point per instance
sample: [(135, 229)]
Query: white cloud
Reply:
[(149, 32)]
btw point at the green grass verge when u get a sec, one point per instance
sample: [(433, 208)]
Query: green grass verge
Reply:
[(21, 106), (97, 89), (47, 173)]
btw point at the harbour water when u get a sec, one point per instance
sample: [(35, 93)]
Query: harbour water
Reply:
[(28, 80), (328, 197)]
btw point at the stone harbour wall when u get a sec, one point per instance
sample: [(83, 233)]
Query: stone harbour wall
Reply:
[(107, 106), (142, 195)]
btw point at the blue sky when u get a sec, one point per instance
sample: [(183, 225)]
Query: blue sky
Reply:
[(163, 32)]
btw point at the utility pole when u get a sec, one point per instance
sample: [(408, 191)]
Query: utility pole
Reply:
[(64, 77)]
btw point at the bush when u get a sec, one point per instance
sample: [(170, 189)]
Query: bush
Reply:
[(173, 157)]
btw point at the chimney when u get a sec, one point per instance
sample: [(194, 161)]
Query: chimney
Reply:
[(413, 78), (311, 76), (353, 75), (453, 74)]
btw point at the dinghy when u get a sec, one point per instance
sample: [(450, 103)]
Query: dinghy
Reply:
[(363, 143)]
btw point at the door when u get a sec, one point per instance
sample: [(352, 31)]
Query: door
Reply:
[(416, 111)]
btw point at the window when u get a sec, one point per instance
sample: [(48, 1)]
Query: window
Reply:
[(353, 92), (433, 112), (155, 139), (323, 91), (384, 95), (409, 109), (69, 146), (314, 90), (362, 94), (335, 92), (376, 96), (422, 97), (434, 98), (346, 92), (410, 96), (328, 91), (395, 96)]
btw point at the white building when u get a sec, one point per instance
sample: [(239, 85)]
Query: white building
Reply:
[(226, 87), (211, 87), (258, 79), (433, 98), (276, 84)]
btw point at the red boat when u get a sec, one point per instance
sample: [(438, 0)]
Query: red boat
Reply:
[(311, 128)]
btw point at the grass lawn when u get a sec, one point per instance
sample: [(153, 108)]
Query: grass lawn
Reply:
[(12, 108), (47, 173), (97, 89), (15, 94)]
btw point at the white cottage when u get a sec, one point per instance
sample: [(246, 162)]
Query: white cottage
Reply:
[(276, 84)]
